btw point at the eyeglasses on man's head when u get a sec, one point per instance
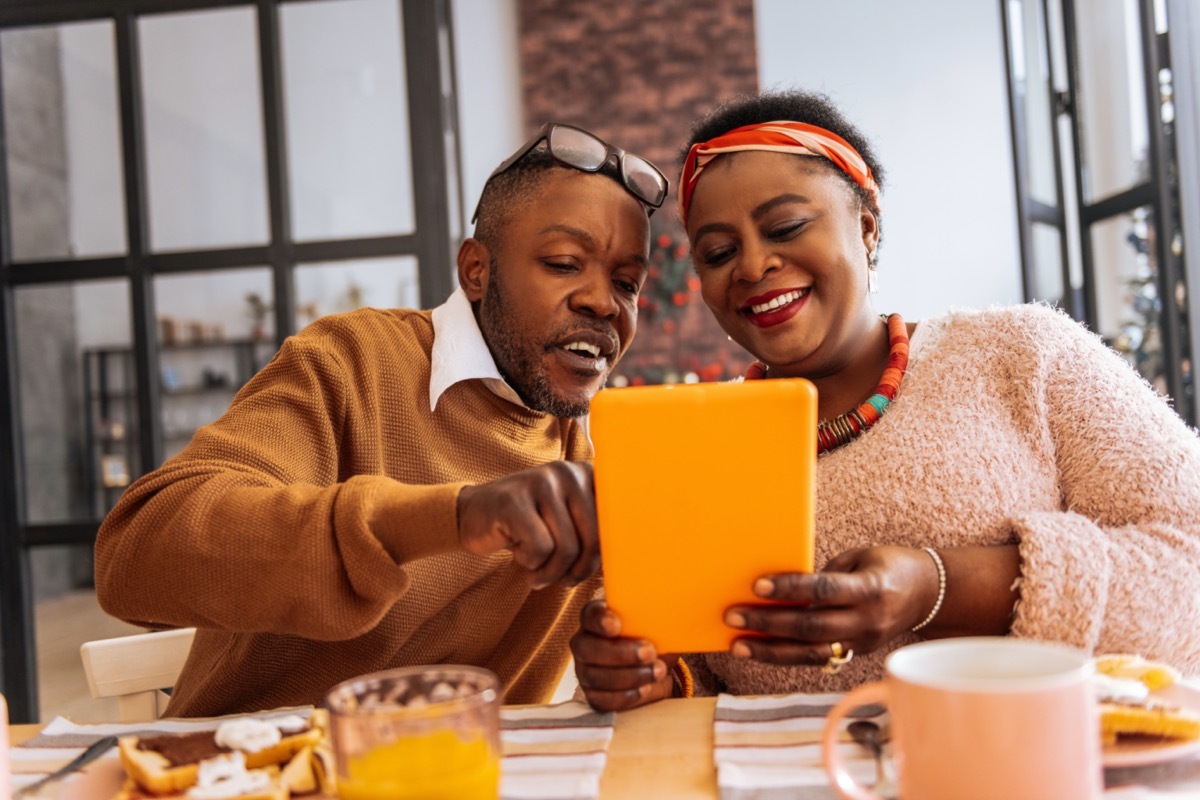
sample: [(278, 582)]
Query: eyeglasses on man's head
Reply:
[(579, 149)]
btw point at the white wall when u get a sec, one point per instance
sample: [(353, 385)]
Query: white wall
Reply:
[(924, 80), (490, 124)]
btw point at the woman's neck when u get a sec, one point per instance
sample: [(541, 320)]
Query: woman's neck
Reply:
[(856, 378)]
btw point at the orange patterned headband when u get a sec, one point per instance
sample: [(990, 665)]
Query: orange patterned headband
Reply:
[(780, 137)]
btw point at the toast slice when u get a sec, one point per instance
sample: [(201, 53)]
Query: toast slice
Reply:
[(274, 791), (1149, 718), (1123, 712), (169, 764)]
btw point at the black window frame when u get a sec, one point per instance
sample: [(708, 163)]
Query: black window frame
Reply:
[(1160, 191), (433, 127)]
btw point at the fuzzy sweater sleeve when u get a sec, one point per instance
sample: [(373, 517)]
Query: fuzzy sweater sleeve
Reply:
[(1119, 569), (273, 519)]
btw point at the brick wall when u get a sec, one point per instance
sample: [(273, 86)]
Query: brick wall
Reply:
[(638, 74)]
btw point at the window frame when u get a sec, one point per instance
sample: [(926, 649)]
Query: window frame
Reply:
[(433, 127), (1160, 191)]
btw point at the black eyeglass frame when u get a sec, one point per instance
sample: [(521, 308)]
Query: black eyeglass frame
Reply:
[(611, 151)]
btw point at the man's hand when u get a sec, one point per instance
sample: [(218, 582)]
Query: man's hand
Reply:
[(546, 516), (616, 673)]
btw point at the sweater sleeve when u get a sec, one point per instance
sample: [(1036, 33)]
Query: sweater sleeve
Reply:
[(1119, 569), (258, 526)]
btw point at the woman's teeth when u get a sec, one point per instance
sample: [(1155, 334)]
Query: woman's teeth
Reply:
[(777, 302)]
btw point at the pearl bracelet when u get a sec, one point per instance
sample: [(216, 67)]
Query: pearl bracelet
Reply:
[(941, 568)]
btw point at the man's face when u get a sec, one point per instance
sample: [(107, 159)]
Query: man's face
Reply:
[(559, 307)]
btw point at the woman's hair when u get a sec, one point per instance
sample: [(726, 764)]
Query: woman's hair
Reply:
[(793, 105)]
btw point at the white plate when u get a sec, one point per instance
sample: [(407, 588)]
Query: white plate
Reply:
[(98, 781), (1140, 752)]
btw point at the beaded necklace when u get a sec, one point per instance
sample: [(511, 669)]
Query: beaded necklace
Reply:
[(833, 433)]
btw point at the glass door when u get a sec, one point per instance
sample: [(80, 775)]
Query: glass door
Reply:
[(184, 183), (1094, 136)]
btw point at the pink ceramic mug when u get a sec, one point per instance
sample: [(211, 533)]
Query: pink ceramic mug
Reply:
[(985, 717)]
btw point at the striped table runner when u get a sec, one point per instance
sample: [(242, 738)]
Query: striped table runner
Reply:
[(549, 751), (554, 752), (768, 747)]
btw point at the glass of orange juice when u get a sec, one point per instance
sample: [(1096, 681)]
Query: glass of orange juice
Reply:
[(417, 733)]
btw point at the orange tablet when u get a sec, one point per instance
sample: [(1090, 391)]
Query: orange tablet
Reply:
[(701, 489)]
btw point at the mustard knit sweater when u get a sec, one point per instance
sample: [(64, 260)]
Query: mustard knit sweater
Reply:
[(310, 534)]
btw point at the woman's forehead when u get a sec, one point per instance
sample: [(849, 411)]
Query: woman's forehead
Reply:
[(762, 174)]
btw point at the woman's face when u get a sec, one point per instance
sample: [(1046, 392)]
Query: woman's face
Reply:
[(780, 244)]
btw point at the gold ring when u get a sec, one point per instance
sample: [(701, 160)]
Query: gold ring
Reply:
[(836, 661)]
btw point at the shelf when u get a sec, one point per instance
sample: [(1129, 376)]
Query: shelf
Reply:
[(109, 386), (116, 350), (186, 391), (168, 436)]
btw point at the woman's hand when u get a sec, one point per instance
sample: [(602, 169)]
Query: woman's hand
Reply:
[(615, 672), (861, 599)]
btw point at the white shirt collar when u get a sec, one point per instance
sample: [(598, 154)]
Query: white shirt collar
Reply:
[(460, 352)]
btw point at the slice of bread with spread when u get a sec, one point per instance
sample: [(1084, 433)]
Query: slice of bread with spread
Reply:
[(1125, 685), (238, 782), (1148, 718), (250, 758)]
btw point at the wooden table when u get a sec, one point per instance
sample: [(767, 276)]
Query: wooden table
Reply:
[(662, 750), (19, 734), (665, 751)]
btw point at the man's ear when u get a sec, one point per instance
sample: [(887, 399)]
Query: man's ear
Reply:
[(474, 268)]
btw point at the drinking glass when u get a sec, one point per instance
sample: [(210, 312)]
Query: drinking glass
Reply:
[(419, 732)]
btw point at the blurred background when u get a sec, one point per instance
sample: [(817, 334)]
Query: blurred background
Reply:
[(186, 182)]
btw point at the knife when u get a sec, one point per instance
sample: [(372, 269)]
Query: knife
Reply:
[(96, 750)]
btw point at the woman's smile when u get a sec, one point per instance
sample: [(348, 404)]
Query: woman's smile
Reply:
[(775, 307)]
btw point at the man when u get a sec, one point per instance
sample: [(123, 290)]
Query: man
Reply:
[(405, 487)]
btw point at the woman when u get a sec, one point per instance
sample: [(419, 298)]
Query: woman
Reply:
[(982, 473)]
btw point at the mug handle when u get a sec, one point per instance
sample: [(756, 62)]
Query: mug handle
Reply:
[(843, 784)]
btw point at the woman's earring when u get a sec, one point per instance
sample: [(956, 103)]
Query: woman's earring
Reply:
[(872, 274)]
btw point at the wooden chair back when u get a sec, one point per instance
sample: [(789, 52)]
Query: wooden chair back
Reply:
[(135, 669)]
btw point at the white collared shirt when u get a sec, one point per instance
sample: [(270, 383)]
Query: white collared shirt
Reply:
[(461, 354)]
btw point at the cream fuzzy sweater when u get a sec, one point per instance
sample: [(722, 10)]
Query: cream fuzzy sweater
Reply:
[(1017, 425)]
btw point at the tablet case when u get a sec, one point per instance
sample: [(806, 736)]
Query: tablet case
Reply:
[(700, 490)]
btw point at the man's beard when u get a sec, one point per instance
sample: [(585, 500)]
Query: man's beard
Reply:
[(517, 359)]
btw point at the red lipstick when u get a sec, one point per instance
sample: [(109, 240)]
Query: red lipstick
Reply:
[(780, 314)]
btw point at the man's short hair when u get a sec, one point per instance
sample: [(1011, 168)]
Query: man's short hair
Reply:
[(504, 194)]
